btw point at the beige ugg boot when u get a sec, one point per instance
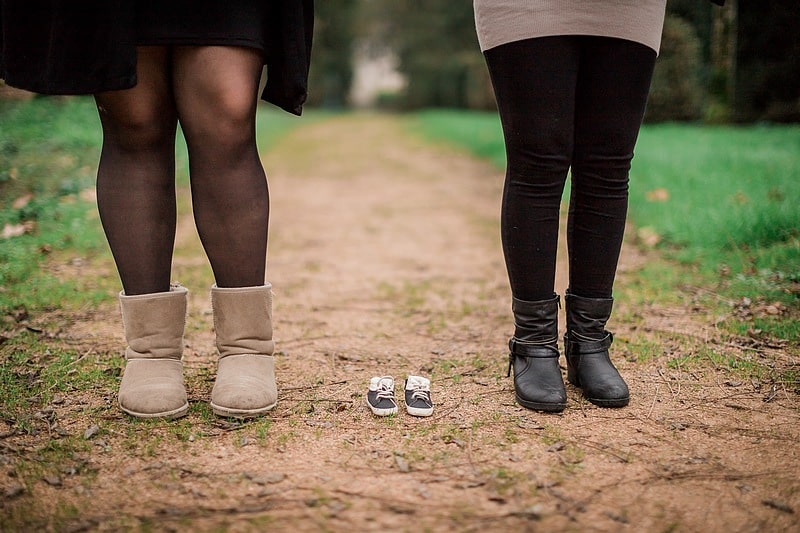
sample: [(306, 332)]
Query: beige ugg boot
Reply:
[(152, 385), (245, 385)]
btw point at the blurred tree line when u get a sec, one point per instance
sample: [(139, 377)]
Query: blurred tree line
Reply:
[(738, 63)]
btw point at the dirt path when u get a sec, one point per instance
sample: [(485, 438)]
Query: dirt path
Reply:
[(385, 259)]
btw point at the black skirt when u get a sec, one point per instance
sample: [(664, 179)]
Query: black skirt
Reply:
[(89, 46), (186, 22)]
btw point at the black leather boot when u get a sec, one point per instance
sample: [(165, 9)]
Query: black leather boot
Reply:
[(586, 346), (534, 355)]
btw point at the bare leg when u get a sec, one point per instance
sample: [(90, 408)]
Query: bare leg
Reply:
[(136, 175)]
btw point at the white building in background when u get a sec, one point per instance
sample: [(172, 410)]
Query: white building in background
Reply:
[(374, 73)]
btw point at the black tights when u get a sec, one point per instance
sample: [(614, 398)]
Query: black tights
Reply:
[(212, 92), (567, 102)]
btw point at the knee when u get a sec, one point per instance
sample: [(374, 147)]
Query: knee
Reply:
[(531, 152), (227, 121), (603, 175), (609, 171), (532, 164), (137, 127), (536, 167)]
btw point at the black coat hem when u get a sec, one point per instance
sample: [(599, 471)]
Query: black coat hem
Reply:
[(60, 48)]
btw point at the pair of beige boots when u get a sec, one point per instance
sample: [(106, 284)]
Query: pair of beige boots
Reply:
[(152, 385)]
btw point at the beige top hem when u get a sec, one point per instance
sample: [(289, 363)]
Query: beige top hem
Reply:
[(503, 21)]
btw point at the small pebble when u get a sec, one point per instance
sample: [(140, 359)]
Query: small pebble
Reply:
[(402, 464), (265, 478)]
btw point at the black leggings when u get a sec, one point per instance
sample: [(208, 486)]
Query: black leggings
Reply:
[(567, 102)]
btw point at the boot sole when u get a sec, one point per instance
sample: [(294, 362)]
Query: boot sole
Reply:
[(175, 413), (614, 402), (539, 406), (240, 413)]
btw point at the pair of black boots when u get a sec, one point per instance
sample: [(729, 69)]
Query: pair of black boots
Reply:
[(534, 353)]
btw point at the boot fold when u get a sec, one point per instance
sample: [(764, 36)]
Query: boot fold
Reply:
[(586, 345), (245, 384), (243, 320), (152, 384), (533, 354), (588, 316)]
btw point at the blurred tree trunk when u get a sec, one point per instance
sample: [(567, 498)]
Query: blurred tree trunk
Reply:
[(331, 72), (723, 57), (767, 62)]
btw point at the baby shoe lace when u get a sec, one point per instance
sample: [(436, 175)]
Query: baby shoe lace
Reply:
[(419, 392), (385, 388)]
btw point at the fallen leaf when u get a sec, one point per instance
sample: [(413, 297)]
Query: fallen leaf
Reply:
[(534, 512), (648, 236), (52, 480), (13, 230), (14, 490), (22, 201), (449, 439), (780, 506), (657, 195), (91, 431), (529, 424)]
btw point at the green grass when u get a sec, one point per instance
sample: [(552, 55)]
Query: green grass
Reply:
[(727, 213), (722, 200), (34, 370), (478, 132), (47, 147), (728, 187), (48, 153)]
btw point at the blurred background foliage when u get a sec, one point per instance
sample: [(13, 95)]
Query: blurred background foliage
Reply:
[(739, 63)]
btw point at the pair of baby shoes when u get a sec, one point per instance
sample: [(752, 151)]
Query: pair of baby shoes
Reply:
[(380, 396)]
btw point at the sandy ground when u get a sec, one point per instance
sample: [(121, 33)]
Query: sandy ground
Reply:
[(385, 259)]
